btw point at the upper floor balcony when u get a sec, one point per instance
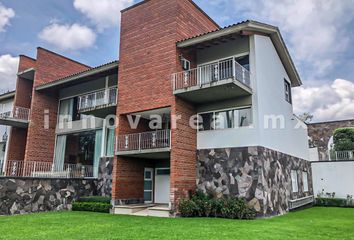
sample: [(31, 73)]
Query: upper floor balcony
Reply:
[(219, 80), (18, 117), (97, 100), (154, 144)]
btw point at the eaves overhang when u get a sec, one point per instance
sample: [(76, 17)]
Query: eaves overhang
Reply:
[(247, 28)]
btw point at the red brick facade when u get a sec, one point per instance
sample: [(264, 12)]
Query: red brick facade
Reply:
[(18, 136), (49, 67), (148, 57)]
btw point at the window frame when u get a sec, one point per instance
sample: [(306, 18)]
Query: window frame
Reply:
[(305, 176), (287, 91), (213, 128), (294, 181)]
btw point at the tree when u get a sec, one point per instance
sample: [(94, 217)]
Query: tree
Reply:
[(343, 139), (306, 117)]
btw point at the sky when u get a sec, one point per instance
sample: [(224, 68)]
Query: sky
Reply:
[(318, 33)]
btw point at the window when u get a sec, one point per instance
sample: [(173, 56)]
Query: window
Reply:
[(305, 181), (207, 121), (226, 119), (294, 182), (244, 61), (287, 87)]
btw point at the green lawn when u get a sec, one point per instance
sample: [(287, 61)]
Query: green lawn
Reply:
[(314, 223)]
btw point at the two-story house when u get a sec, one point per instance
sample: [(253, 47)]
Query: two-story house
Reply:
[(189, 105)]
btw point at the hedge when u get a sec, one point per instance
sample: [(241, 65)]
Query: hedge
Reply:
[(91, 207), (201, 205), (332, 202), (93, 204), (97, 199)]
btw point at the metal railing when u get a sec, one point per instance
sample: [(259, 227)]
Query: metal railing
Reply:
[(344, 155), (19, 113), (103, 98), (47, 170), (144, 141), (210, 73)]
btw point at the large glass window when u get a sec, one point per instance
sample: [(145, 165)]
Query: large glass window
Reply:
[(233, 118)]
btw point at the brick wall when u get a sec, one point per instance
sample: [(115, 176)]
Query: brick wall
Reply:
[(148, 57), (18, 136), (49, 67)]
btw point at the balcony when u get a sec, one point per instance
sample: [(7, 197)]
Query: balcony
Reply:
[(97, 100), (18, 117), (344, 156), (217, 81), (154, 144), (47, 170)]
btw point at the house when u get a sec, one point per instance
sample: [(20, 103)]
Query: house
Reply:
[(6, 106), (189, 105)]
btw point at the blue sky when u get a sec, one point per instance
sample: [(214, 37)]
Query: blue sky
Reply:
[(318, 33)]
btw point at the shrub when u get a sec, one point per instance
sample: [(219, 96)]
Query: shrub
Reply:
[(91, 207), (187, 208), (201, 205), (97, 199), (332, 202)]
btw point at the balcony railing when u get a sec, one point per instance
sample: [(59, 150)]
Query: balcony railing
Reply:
[(47, 170), (144, 141), (211, 73), (344, 155), (18, 113), (99, 99)]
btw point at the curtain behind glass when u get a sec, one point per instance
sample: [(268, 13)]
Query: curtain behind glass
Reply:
[(66, 109), (59, 156), (110, 142), (98, 152)]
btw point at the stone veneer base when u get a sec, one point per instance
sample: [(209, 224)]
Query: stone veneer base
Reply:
[(260, 175)]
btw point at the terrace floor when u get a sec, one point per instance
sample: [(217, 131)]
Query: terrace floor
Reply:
[(314, 223)]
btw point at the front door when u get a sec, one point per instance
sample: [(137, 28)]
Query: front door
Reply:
[(162, 185), (148, 184)]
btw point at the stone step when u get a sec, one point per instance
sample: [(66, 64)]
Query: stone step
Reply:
[(130, 209), (159, 211)]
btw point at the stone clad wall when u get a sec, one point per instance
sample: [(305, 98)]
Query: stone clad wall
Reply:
[(260, 175), (26, 195)]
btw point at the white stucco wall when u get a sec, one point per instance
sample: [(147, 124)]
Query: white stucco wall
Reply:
[(291, 137), (5, 106), (268, 98), (334, 177)]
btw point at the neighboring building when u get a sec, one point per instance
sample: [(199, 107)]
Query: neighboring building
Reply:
[(175, 64), (6, 107), (321, 140)]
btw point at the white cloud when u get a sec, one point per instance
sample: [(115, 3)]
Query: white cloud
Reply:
[(68, 37), (326, 102), (103, 13), (5, 15), (8, 71), (316, 30)]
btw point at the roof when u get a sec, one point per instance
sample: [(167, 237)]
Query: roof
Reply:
[(252, 27), (7, 95), (80, 75)]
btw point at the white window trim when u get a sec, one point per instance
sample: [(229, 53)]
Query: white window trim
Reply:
[(306, 186), (294, 181)]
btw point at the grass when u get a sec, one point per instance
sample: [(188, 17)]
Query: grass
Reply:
[(314, 223)]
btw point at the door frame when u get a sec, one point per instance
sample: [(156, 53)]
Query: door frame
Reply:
[(152, 184)]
